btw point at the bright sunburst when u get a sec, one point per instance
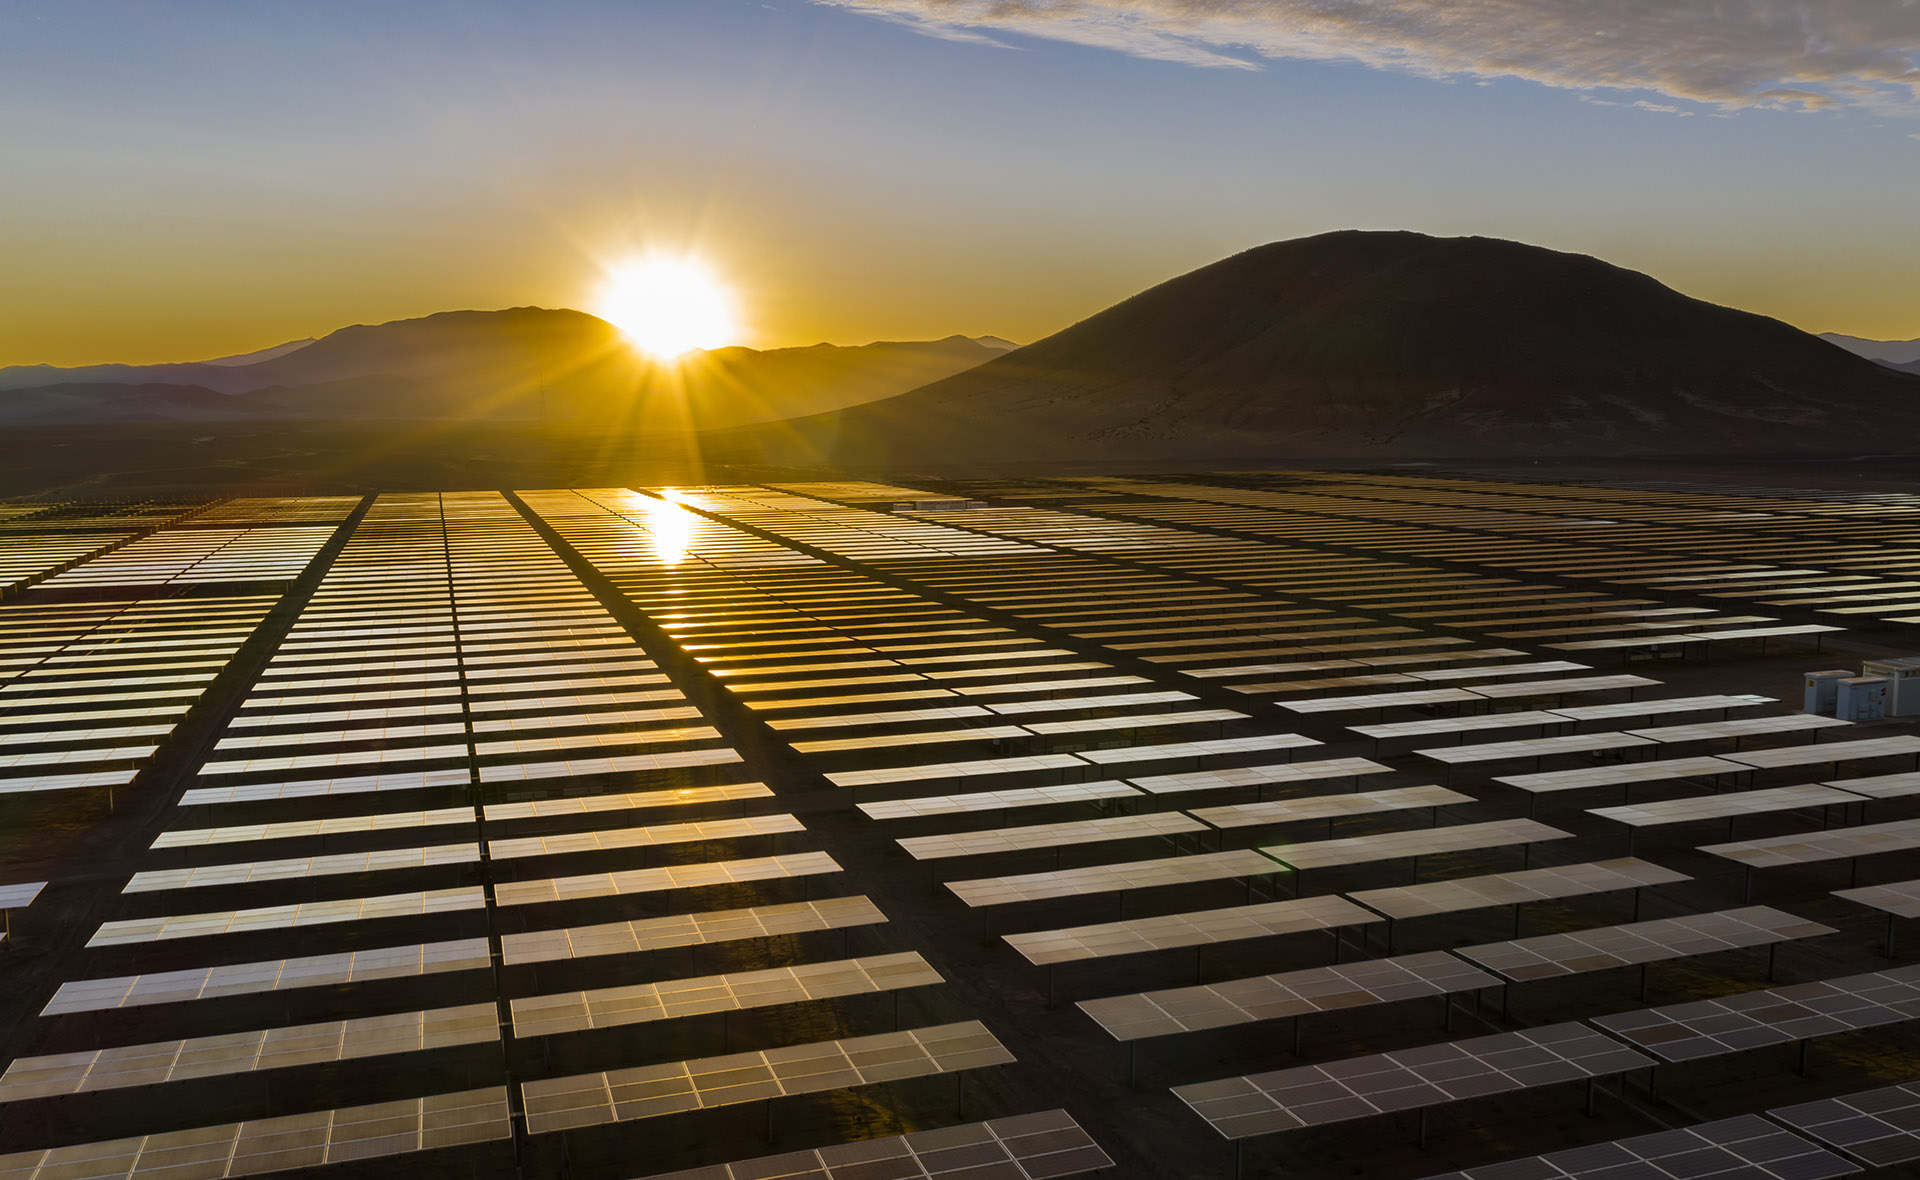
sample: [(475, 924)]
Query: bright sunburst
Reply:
[(667, 306)]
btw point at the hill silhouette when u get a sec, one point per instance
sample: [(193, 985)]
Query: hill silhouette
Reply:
[(557, 366), (1898, 354), (1393, 344)]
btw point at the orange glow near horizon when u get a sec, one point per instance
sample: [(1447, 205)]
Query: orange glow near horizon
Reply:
[(667, 306)]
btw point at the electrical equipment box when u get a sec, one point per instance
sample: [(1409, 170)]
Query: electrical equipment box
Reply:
[(1823, 692), (1862, 698), (1903, 679)]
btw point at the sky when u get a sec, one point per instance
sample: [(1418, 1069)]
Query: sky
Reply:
[(185, 179)]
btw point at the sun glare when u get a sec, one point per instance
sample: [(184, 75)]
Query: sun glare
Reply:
[(667, 306), (670, 529)]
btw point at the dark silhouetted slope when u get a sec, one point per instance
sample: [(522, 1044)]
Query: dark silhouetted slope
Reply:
[(1390, 344)]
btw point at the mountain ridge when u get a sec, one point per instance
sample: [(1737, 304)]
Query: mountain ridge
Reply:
[(1387, 343), (529, 363), (1897, 354)]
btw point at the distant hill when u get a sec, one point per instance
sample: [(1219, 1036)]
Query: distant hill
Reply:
[(1388, 344), (1897, 354), (261, 354), (523, 363)]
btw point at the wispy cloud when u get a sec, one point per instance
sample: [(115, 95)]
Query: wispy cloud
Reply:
[(1808, 55)]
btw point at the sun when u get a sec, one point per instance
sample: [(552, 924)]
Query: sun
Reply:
[(667, 306)]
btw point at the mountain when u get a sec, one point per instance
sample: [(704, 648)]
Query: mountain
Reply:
[(1387, 344), (522, 363), (1894, 353), (262, 354)]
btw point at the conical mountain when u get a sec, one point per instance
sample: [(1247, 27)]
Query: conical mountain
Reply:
[(1389, 344)]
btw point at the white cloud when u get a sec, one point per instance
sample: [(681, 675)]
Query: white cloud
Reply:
[(1807, 55)]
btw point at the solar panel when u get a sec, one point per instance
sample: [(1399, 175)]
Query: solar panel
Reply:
[(546, 1015), (1060, 835), (1727, 806), (1418, 842), (1327, 807), (1882, 747), (1257, 776), (1500, 889), (359, 784), (770, 921), (289, 1141), (245, 1052), (624, 801), (1731, 1024), (1166, 931), (1092, 879), (1005, 800), (1741, 727), (657, 835), (1880, 1128), (167, 987), (1744, 1148), (1288, 994), (20, 895), (1411, 1079), (1880, 786), (1625, 774), (1021, 1147), (1571, 743), (1899, 899), (302, 868), (286, 917), (441, 606), (1573, 952), (617, 764), (554, 1104), (386, 821), (1814, 847), (687, 876)]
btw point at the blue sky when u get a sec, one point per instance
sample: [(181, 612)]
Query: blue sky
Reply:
[(193, 178)]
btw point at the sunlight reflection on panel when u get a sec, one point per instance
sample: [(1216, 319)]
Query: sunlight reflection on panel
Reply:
[(670, 529)]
